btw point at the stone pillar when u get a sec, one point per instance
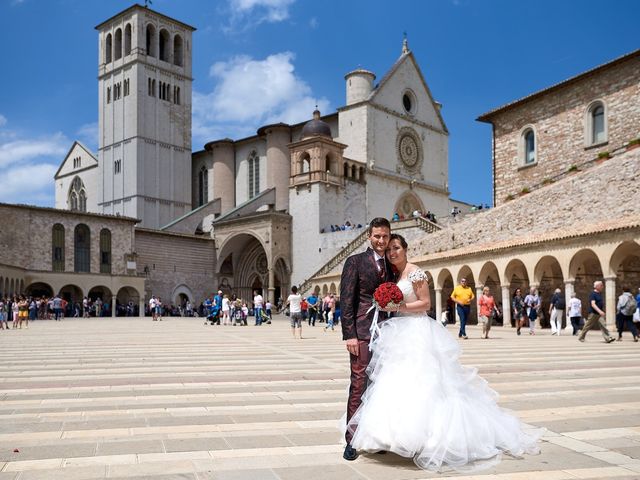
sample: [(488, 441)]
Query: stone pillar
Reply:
[(568, 293), (438, 304), (610, 301), (271, 289), (506, 306), (141, 308), (278, 163), (224, 173), (113, 306)]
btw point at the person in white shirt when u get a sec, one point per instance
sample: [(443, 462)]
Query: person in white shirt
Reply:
[(575, 313), (226, 319), (258, 301), (152, 307), (295, 312)]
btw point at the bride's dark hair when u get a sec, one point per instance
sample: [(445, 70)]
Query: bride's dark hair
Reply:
[(400, 238)]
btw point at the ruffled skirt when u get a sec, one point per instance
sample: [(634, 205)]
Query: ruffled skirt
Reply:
[(421, 403)]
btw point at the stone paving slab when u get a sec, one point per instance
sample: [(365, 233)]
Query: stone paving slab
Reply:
[(130, 398)]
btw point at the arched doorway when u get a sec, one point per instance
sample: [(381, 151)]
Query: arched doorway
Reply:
[(282, 279), (445, 283), (100, 297), (128, 302), (585, 269), (625, 263), (72, 294), (516, 276), (465, 272), (548, 276), (407, 204), (245, 260), (39, 290)]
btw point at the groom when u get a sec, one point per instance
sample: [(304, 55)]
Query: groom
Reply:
[(361, 275)]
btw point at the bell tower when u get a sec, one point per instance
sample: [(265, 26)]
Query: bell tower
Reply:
[(144, 145)]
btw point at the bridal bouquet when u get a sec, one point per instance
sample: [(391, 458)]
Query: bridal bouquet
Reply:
[(387, 295)]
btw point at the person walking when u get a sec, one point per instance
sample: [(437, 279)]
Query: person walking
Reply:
[(533, 304), (463, 296), (625, 309), (596, 314), (575, 313), (258, 301), (486, 308), (556, 311), (295, 312), (519, 311), (361, 275), (226, 319)]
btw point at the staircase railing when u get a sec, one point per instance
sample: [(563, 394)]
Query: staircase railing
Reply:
[(354, 244)]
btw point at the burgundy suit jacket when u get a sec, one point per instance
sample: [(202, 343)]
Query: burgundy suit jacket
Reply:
[(360, 278)]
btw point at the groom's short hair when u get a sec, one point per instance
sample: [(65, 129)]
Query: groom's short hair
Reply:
[(378, 222)]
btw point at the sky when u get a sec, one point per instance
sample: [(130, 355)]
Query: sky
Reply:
[(257, 62)]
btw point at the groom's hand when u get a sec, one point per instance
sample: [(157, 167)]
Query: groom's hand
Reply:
[(352, 346)]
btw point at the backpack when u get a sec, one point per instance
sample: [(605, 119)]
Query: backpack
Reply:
[(629, 307)]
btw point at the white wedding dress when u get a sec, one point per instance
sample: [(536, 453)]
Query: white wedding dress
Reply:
[(423, 404)]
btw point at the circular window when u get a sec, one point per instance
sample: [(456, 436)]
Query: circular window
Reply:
[(406, 101)]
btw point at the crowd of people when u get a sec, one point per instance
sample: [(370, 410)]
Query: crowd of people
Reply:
[(341, 228), (311, 309), (415, 214)]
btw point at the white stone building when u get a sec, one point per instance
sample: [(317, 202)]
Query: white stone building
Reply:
[(268, 201)]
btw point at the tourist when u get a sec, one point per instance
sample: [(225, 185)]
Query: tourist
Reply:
[(486, 308), (304, 308), (518, 307), (258, 301), (312, 301), (152, 307), (4, 325), (557, 307), (575, 313), (463, 295), (625, 309), (57, 307), (226, 319), (267, 308), (596, 314), (295, 312), (158, 309), (533, 304), (332, 313)]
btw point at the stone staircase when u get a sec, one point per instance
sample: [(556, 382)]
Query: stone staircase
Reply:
[(415, 225)]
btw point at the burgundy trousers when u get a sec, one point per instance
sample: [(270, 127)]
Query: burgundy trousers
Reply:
[(359, 381)]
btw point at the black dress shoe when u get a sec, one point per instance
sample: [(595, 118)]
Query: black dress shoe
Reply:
[(350, 453), (381, 452)]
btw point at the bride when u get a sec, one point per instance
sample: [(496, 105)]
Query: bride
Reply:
[(421, 403)]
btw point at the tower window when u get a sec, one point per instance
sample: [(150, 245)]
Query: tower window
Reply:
[(105, 251), (126, 87), (77, 198), (151, 40), (164, 45), (82, 248), (254, 174), (107, 49), (529, 144), (117, 166), (77, 162), (177, 50), (203, 186), (596, 131), (108, 94), (127, 39), (118, 45)]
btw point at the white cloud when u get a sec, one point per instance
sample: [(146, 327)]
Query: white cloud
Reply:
[(3, 120), (88, 134), (31, 184), (19, 151), (314, 23), (250, 93), (248, 13)]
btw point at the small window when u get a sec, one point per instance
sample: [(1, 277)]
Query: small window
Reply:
[(529, 147), (254, 174), (108, 94), (177, 50), (57, 243), (598, 134), (151, 41), (409, 102), (406, 102), (108, 47), (105, 251), (118, 45), (127, 39), (82, 248), (164, 46), (203, 186)]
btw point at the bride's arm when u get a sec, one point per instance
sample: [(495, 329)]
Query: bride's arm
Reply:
[(423, 303)]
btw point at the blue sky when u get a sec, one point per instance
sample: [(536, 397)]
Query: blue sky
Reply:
[(475, 55)]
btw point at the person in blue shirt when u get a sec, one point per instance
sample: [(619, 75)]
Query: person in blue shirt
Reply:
[(312, 301)]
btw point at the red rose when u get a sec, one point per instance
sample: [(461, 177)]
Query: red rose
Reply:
[(387, 293)]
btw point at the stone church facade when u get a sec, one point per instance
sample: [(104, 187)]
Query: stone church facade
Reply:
[(264, 204), (565, 163)]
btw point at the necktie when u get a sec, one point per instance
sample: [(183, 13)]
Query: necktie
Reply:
[(381, 268)]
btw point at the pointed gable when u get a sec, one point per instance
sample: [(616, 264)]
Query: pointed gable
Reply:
[(405, 76), (78, 159)]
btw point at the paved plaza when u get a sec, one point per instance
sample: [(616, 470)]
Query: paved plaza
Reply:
[(131, 398)]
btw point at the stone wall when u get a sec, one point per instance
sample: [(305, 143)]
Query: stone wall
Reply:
[(176, 263), (605, 191), (26, 240), (559, 119)]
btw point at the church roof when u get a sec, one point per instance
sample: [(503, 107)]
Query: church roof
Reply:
[(146, 9), (316, 127), (81, 145), (486, 117)]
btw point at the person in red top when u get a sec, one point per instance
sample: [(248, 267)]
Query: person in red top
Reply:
[(486, 307), (304, 307)]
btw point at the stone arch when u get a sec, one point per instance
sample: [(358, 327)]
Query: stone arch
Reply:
[(331, 163), (180, 292), (466, 272), (585, 268), (104, 294), (332, 288), (39, 289), (250, 260), (407, 204), (325, 289), (316, 289), (489, 276), (164, 45), (71, 293), (516, 275), (625, 265), (281, 277), (548, 276), (305, 162), (444, 282), (117, 45), (127, 39), (108, 48), (151, 40), (123, 297), (177, 50), (432, 294)]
